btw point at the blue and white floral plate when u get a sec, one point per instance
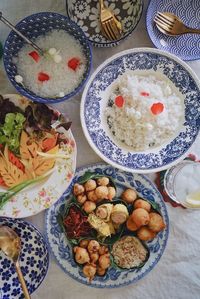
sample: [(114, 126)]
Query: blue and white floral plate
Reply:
[(95, 99), (185, 46), (86, 14), (62, 249), (34, 260)]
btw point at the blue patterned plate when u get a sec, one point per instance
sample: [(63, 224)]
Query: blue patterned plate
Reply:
[(114, 277), (86, 14), (185, 46), (34, 260), (96, 96)]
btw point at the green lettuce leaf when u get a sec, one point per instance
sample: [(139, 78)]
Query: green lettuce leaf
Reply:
[(11, 130)]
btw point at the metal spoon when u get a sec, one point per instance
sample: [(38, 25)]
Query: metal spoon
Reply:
[(6, 22), (10, 244)]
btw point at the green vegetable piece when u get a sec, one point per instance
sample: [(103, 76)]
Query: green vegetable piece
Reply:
[(11, 130)]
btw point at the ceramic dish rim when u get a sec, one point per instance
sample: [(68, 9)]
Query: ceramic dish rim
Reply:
[(25, 91), (125, 283), (99, 68), (154, 39), (44, 242), (117, 41)]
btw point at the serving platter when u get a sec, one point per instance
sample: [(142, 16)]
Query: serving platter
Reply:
[(40, 196), (34, 260), (185, 46), (62, 249), (95, 99)]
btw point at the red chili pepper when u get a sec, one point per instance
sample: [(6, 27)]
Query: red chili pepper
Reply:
[(34, 55), (144, 94), (43, 77), (157, 108), (16, 161), (2, 183), (119, 101), (73, 63)]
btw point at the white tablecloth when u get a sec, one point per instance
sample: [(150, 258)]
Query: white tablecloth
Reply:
[(177, 275)]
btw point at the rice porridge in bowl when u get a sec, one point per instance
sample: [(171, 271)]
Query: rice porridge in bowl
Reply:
[(61, 70), (143, 111), (58, 72), (140, 110)]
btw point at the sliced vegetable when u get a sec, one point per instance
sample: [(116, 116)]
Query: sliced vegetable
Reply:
[(14, 160), (157, 108), (49, 143), (144, 94), (34, 55), (119, 101), (5, 196), (73, 63), (43, 77), (2, 183)]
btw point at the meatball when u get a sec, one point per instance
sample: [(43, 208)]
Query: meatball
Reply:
[(129, 195), (104, 261), (156, 222), (131, 225), (111, 193), (84, 243), (89, 206), (78, 189), (145, 234), (81, 255), (140, 217), (92, 196), (93, 246), (101, 192), (81, 198), (101, 271), (89, 270), (90, 185), (141, 203), (94, 257), (103, 249), (104, 181)]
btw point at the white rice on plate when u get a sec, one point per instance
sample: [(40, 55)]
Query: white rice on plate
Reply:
[(63, 79), (134, 123)]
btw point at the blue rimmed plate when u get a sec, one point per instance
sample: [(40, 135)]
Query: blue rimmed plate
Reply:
[(95, 99), (185, 46), (34, 260), (86, 14), (114, 278)]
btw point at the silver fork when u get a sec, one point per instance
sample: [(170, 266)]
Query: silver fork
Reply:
[(6, 22)]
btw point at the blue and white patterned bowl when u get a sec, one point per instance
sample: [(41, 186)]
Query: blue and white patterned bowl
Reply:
[(32, 27), (96, 94), (114, 278), (34, 260), (185, 46), (86, 14)]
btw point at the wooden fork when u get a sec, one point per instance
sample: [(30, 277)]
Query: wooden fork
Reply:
[(110, 26), (170, 24)]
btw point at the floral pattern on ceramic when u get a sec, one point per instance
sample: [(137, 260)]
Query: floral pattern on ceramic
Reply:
[(86, 14), (34, 260), (36, 198), (95, 98), (114, 278)]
